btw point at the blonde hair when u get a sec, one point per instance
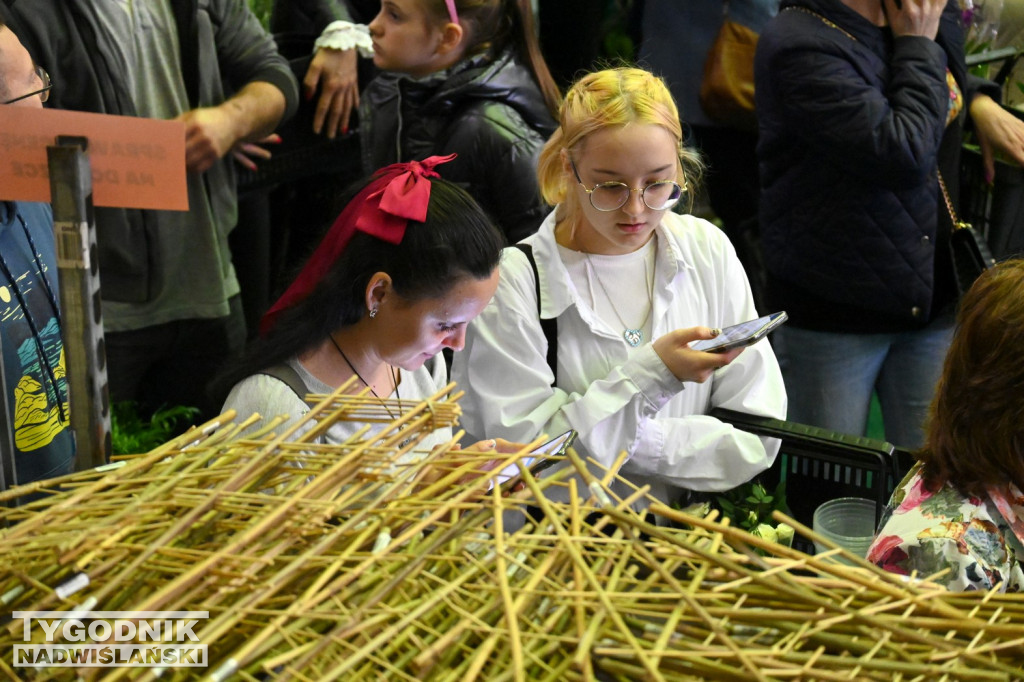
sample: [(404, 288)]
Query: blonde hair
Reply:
[(608, 98)]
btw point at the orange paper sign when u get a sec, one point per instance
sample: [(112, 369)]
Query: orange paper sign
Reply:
[(136, 162)]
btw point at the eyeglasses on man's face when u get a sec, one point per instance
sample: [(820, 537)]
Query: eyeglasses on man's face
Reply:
[(43, 92), (611, 196)]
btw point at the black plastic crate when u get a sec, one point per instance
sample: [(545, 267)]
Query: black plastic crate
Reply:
[(820, 465)]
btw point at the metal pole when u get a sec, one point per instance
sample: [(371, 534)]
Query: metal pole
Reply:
[(75, 228)]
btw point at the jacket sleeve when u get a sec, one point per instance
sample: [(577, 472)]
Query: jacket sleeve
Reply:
[(247, 53), (845, 107), (510, 394), (503, 152)]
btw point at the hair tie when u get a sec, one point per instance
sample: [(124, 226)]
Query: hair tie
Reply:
[(397, 194)]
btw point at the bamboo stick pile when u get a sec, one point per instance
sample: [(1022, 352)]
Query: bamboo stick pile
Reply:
[(366, 562)]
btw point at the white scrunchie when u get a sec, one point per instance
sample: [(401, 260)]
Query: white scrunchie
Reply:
[(344, 35)]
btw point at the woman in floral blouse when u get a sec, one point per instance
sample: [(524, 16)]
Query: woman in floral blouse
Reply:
[(961, 507)]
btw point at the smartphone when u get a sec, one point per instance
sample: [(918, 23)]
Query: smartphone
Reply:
[(742, 334), (539, 459)]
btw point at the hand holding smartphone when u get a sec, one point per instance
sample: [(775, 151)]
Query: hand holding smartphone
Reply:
[(742, 334), (539, 459)]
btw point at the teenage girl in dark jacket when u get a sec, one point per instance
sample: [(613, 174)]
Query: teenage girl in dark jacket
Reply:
[(463, 77)]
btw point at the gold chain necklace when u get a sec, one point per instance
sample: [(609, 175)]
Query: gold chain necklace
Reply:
[(825, 21)]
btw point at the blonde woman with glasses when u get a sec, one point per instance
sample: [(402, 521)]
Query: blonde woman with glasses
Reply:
[(621, 285)]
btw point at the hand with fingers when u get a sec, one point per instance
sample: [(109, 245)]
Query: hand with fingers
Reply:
[(998, 131), (247, 153), (914, 17), (686, 363), (210, 133), (497, 446), (334, 73)]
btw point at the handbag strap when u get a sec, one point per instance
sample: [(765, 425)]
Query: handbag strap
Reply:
[(827, 22), (287, 375), (957, 223)]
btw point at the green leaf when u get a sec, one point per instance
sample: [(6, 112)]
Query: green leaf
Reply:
[(133, 434)]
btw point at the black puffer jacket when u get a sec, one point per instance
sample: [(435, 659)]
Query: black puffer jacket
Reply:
[(852, 130), (490, 113)]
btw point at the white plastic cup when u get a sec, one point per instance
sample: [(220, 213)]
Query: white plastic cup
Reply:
[(848, 522)]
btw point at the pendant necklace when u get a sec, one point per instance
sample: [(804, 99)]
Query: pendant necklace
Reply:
[(633, 336), (394, 379)]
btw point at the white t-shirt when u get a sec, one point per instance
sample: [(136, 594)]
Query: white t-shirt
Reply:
[(270, 397)]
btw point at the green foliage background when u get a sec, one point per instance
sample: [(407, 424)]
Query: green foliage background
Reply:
[(261, 8), (133, 433)]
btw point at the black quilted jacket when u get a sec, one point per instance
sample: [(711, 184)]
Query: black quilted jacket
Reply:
[(490, 113), (852, 132)]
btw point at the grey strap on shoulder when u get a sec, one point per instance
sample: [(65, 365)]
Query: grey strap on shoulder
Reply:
[(550, 325), (286, 374)]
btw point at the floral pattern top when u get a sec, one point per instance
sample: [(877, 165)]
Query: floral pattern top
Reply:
[(972, 536)]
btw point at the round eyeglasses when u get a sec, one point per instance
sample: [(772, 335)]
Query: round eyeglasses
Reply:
[(611, 196), (43, 92)]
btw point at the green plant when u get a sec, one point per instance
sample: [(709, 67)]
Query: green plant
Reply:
[(131, 433), (261, 8), (750, 507)]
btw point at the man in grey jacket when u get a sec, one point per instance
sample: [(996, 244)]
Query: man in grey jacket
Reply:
[(170, 295)]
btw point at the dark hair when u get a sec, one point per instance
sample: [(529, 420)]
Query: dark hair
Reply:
[(975, 432), (493, 25), (457, 240)]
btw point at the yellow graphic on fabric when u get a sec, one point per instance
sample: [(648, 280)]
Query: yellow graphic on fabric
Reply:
[(956, 98), (35, 426)]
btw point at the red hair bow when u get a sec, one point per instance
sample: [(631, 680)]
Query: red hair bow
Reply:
[(397, 194)]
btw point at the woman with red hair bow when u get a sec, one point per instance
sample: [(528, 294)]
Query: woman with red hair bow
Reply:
[(408, 263)]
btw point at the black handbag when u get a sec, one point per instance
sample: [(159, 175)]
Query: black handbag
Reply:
[(967, 247)]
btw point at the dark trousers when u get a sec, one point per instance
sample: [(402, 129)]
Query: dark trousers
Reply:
[(171, 364)]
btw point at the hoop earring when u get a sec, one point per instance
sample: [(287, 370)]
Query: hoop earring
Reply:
[(373, 313)]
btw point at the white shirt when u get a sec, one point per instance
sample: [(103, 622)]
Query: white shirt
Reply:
[(621, 398), (270, 397)]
